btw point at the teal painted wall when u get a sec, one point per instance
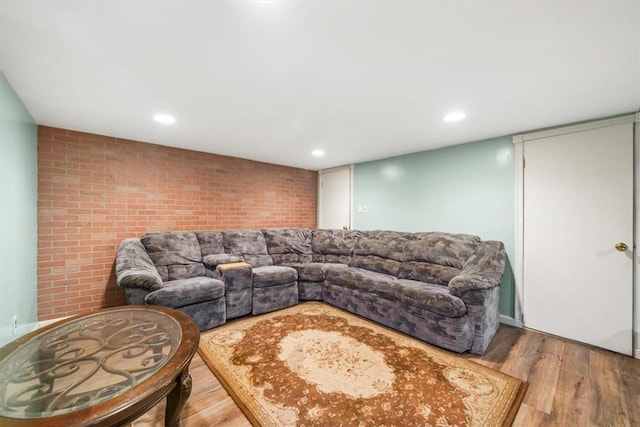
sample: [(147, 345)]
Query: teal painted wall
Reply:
[(468, 188), (18, 215)]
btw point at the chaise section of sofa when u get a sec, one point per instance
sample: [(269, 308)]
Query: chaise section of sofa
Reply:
[(377, 285), (439, 287)]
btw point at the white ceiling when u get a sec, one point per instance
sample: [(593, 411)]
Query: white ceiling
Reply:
[(362, 80)]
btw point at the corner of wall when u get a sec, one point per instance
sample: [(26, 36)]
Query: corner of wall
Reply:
[(18, 215), (508, 320)]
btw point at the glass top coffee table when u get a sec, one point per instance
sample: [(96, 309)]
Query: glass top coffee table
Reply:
[(104, 368)]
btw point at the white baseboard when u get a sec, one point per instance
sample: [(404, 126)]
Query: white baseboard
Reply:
[(508, 320), (636, 353)]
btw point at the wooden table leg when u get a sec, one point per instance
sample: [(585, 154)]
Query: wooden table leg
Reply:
[(176, 398)]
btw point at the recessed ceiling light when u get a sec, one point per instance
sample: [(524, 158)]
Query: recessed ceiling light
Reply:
[(454, 116), (317, 153), (165, 119)]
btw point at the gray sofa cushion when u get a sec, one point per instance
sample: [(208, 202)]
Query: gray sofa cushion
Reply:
[(211, 242), (273, 275), (435, 298), (380, 251), (360, 279), (314, 271), (176, 255), (288, 245), (333, 246), (179, 293), (290, 258), (434, 257), (446, 249), (248, 243)]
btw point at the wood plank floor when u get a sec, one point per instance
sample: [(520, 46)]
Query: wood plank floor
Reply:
[(570, 384)]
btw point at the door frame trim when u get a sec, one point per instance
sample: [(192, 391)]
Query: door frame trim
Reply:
[(519, 163), (319, 204), (636, 227)]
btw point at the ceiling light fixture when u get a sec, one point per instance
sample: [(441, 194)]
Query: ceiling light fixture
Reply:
[(165, 119), (454, 116), (317, 153)]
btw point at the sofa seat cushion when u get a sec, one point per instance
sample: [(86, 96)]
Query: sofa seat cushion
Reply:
[(427, 296), (178, 293), (359, 279), (272, 275), (314, 271)]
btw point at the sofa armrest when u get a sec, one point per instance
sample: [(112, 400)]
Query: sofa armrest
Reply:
[(134, 268), (483, 269), (214, 260), (236, 276)]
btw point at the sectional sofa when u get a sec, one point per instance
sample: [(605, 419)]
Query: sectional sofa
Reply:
[(438, 287)]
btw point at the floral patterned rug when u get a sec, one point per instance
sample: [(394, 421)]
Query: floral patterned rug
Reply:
[(316, 365)]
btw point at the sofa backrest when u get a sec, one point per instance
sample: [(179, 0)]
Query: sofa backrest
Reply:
[(250, 244), (487, 259), (436, 257), (176, 255), (288, 245), (333, 246), (211, 242), (381, 251), (432, 257)]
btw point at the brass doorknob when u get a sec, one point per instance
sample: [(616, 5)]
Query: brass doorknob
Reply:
[(622, 246)]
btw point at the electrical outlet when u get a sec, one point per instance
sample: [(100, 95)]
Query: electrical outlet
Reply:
[(15, 323)]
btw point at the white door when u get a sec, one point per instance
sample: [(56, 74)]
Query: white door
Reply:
[(334, 205), (578, 204)]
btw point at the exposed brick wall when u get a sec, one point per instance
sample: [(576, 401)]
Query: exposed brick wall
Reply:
[(94, 191)]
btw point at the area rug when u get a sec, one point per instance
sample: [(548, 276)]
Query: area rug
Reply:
[(316, 365)]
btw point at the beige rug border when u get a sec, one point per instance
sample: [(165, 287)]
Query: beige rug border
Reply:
[(260, 418)]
